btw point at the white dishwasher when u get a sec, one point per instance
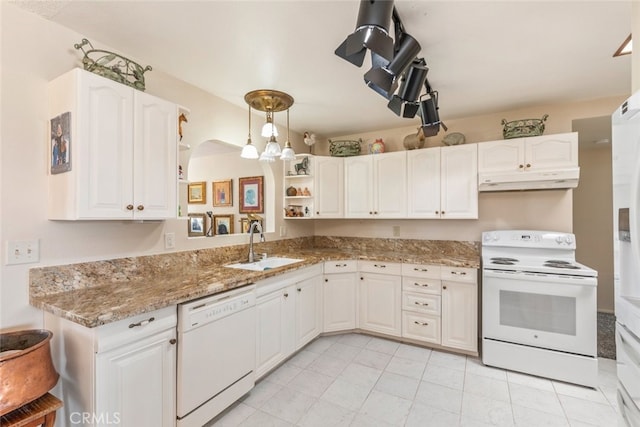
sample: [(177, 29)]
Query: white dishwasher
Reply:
[(216, 354)]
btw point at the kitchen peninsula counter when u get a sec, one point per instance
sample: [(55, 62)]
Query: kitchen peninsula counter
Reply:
[(96, 293)]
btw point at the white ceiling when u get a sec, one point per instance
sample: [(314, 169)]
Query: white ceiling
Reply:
[(484, 56)]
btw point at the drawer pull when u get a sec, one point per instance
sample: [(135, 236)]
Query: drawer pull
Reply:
[(423, 304), (379, 266), (420, 323), (172, 341), (425, 285), (142, 322), (341, 265), (420, 269), (461, 273)]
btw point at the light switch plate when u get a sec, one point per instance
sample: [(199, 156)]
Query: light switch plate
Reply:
[(23, 251)]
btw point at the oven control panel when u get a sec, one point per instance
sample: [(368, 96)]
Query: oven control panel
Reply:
[(528, 239)]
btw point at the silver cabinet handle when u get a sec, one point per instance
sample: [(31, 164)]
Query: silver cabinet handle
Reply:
[(423, 304), (420, 323), (142, 322)]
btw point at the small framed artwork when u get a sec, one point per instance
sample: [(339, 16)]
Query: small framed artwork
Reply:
[(61, 143), (223, 224), (197, 224), (246, 222), (197, 192), (223, 193), (251, 194)]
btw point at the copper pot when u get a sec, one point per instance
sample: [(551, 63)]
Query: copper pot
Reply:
[(26, 368)]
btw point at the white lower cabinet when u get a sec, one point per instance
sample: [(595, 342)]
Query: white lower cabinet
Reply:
[(340, 295), (289, 315), (122, 373), (380, 298), (460, 308), (421, 303)]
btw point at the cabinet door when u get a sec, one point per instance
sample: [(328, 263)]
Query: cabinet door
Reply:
[(551, 152), (390, 185), (275, 329), (459, 186), (329, 187), (460, 315), (308, 310), (501, 156), (358, 180), (423, 183), (104, 144), (154, 158), (135, 384), (380, 303), (339, 301)]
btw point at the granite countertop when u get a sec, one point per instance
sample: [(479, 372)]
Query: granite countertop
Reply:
[(108, 299)]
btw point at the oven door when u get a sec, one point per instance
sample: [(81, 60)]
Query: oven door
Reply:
[(540, 310)]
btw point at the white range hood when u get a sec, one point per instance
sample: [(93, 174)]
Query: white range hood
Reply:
[(529, 180)]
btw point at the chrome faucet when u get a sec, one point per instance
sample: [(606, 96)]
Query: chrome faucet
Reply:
[(254, 225)]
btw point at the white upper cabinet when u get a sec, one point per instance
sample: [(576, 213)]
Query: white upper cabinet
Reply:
[(329, 187), (376, 186), (443, 182), (529, 154), (123, 152)]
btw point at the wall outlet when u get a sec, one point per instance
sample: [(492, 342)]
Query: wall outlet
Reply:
[(23, 251), (396, 231), (169, 240)]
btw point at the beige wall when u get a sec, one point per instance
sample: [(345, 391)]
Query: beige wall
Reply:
[(635, 57), (593, 220)]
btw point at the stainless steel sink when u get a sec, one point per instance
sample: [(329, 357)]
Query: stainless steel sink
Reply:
[(264, 264)]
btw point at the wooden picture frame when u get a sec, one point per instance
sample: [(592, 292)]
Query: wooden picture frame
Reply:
[(223, 224), (251, 190), (197, 225), (61, 143), (197, 193), (222, 193)]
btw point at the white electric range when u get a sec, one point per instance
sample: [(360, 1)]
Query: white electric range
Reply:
[(539, 313)]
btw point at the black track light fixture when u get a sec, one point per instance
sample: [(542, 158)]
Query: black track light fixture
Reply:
[(372, 32), (430, 117), (405, 102)]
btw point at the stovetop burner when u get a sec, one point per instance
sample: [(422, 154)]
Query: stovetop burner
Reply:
[(503, 260), (555, 263)]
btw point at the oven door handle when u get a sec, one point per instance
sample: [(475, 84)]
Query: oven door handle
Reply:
[(539, 277)]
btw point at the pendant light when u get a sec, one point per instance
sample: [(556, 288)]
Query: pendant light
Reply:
[(270, 101), (287, 152), (249, 151)]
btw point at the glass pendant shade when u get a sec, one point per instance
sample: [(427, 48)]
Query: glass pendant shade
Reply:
[(249, 151), (269, 128), (288, 153)]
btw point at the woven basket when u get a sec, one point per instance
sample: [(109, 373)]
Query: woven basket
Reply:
[(522, 128)]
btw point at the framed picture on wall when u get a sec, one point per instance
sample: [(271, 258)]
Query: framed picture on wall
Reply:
[(197, 224), (197, 192), (251, 194), (223, 193), (223, 224), (246, 222), (61, 143)]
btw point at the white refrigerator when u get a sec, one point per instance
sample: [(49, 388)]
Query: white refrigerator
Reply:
[(626, 214)]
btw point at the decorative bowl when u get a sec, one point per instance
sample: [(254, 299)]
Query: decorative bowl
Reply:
[(454, 138), (523, 128)]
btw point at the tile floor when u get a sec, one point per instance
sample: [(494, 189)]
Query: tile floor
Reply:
[(358, 380)]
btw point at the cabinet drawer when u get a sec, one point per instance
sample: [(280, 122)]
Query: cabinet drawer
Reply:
[(425, 286), (380, 267), (423, 303), (459, 274), (421, 327), (135, 328), (340, 266), (421, 270)]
